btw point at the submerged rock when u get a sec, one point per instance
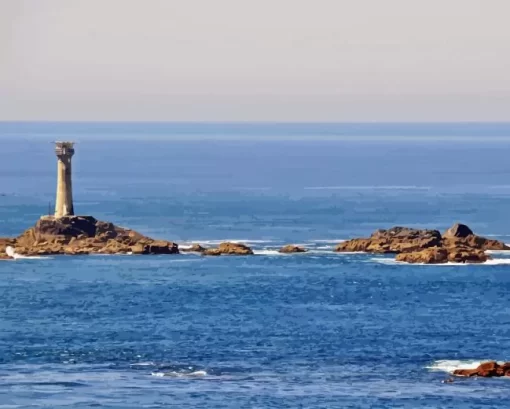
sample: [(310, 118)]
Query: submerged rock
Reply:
[(486, 370), (229, 248), (291, 248), (77, 235)]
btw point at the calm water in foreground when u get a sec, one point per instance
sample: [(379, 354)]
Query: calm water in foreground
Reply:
[(318, 330)]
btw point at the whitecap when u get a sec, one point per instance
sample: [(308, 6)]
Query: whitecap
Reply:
[(11, 253), (327, 241), (150, 363), (498, 261), (389, 261), (219, 241), (175, 374), (451, 365), (502, 252), (267, 252)]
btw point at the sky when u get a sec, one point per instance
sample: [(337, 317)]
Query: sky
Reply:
[(255, 60)]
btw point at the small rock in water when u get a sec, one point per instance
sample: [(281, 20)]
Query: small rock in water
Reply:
[(229, 248), (291, 248)]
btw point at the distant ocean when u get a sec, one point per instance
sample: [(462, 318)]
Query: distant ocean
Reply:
[(319, 330)]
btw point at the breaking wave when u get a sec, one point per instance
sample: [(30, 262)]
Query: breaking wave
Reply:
[(11, 253), (389, 261), (266, 252), (451, 365), (179, 374), (216, 242)]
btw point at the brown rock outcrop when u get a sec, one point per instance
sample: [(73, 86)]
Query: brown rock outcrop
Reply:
[(486, 370), (433, 255), (458, 244), (228, 248), (291, 248), (395, 240), (76, 235)]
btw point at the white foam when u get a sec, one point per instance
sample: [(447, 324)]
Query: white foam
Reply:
[(498, 261), (389, 261), (268, 253), (498, 251), (174, 374), (11, 253), (150, 363), (216, 242), (327, 241), (451, 365)]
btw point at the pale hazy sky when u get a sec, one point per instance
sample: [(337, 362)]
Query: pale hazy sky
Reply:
[(243, 60)]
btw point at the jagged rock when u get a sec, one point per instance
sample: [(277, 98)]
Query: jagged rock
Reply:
[(433, 255), (486, 370), (354, 245), (291, 248), (229, 249), (195, 248), (466, 255), (458, 230), (74, 235), (476, 242)]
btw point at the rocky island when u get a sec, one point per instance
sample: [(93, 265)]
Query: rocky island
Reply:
[(458, 244), (76, 235)]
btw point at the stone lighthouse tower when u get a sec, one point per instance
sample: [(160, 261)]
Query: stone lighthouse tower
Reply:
[(64, 202)]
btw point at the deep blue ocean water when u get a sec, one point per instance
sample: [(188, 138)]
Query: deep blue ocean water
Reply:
[(318, 330)]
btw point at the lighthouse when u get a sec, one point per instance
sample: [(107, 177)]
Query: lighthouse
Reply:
[(64, 201)]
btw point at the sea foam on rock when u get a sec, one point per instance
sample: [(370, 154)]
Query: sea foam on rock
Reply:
[(458, 244)]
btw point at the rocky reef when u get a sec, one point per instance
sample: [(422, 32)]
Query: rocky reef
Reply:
[(458, 244), (228, 248), (489, 369), (291, 248), (75, 235)]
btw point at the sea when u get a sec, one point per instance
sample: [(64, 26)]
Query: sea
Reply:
[(313, 330)]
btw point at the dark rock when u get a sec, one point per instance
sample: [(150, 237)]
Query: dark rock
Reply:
[(458, 230)]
